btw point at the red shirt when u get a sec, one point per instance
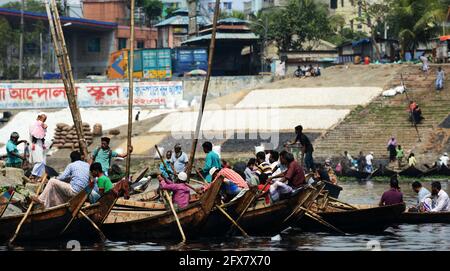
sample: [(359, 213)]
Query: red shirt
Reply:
[(233, 176), (295, 175)]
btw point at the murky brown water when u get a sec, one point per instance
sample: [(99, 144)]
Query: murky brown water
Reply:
[(402, 237)]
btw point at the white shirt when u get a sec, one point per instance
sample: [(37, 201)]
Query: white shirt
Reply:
[(444, 160), (441, 202), (369, 159)]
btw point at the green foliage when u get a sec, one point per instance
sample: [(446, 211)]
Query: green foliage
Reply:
[(291, 26), (170, 10), (416, 21), (234, 14), (30, 5), (152, 8), (345, 35)]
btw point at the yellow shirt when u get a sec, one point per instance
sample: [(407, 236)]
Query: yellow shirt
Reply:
[(412, 161)]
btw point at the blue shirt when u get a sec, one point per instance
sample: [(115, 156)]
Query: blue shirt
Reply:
[(163, 170), (78, 172), (11, 147), (211, 160)]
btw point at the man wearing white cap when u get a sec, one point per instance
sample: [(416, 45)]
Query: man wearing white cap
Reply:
[(181, 192), (443, 160), (234, 185)]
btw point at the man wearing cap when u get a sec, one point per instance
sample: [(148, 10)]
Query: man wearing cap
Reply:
[(104, 154), (181, 192), (393, 195), (179, 159), (443, 160), (13, 158), (233, 184), (212, 159)]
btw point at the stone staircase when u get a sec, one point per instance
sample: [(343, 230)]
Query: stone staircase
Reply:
[(369, 128)]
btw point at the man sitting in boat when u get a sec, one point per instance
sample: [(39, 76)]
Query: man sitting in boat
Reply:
[(331, 174), (60, 190), (234, 186), (393, 195), (440, 201), (422, 195), (294, 176), (212, 159), (250, 176), (103, 182), (181, 192)]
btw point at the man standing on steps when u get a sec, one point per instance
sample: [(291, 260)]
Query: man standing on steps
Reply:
[(440, 77)]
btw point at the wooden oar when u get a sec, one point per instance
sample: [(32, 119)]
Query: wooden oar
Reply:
[(25, 216), (319, 219), (100, 233), (341, 202), (7, 203), (75, 212), (201, 176), (232, 221), (166, 195)]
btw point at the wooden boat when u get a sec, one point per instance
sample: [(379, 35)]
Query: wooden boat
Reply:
[(333, 189), (411, 171), (360, 175), (438, 170), (361, 220), (424, 218), (386, 172), (263, 218), (45, 224), (124, 225)]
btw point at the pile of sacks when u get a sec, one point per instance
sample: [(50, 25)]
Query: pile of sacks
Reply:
[(66, 136), (394, 91)]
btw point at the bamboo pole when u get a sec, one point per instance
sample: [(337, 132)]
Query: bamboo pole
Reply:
[(205, 88), (66, 71), (25, 216), (130, 92), (410, 110), (166, 195)]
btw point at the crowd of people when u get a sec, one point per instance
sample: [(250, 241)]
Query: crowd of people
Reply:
[(307, 71)]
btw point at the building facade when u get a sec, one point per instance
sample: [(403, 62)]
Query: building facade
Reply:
[(117, 11)]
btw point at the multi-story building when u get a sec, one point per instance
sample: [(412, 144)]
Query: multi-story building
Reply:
[(117, 11)]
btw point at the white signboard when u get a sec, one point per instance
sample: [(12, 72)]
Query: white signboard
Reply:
[(36, 95)]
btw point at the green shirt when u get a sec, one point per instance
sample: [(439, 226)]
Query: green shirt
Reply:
[(102, 157), (400, 153), (11, 147), (211, 160), (105, 183)]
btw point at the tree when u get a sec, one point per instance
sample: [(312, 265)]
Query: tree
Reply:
[(30, 5), (170, 10), (153, 9), (234, 14), (374, 14), (416, 21), (291, 26)]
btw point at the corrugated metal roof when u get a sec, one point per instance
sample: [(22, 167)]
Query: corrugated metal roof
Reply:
[(182, 20), (225, 36), (64, 19), (233, 21)]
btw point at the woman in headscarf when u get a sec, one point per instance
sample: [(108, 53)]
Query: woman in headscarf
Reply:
[(391, 147)]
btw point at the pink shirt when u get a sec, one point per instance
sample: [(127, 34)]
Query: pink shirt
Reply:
[(37, 130), (181, 192), (233, 176)]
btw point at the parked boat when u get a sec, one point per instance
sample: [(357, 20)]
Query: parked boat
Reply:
[(125, 225), (424, 218), (411, 171), (361, 220)]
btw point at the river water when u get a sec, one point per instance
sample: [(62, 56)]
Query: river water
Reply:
[(401, 237)]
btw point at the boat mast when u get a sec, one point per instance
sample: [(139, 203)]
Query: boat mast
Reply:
[(130, 92), (205, 88)]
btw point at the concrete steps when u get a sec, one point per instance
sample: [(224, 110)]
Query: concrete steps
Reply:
[(369, 128)]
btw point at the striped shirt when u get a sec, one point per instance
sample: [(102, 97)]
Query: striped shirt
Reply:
[(264, 167), (78, 172), (233, 176)]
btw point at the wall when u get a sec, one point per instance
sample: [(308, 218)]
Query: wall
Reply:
[(109, 10), (89, 63), (222, 85), (148, 35)]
